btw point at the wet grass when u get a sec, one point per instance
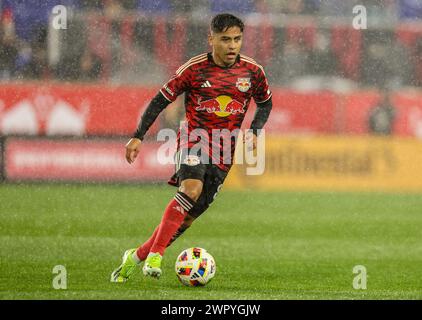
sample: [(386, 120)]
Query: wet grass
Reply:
[(266, 245)]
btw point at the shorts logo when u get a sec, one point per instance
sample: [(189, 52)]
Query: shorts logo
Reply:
[(191, 160), (243, 84)]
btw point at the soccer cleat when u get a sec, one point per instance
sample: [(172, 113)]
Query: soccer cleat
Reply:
[(126, 269), (152, 265)]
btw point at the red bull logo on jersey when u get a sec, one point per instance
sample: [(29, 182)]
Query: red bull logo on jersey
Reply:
[(222, 106), (243, 84)]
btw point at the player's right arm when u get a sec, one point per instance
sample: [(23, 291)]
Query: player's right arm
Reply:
[(157, 104), (168, 93)]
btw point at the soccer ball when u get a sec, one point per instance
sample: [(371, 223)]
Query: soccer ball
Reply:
[(195, 267)]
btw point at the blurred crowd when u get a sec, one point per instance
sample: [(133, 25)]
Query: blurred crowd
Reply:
[(25, 51)]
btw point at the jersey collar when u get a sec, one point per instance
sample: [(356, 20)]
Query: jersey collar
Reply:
[(211, 60)]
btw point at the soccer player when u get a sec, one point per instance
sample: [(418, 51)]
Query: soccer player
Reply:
[(218, 88)]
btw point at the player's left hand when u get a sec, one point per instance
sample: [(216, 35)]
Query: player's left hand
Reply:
[(251, 141)]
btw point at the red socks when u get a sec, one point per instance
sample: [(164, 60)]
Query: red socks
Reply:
[(143, 250), (172, 219)]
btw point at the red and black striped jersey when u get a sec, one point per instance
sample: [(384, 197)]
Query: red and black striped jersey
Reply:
[(217, 97)]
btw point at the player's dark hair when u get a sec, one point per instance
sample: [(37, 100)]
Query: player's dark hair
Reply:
[(224, 21)]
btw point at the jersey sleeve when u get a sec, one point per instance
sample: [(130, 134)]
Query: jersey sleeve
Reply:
[(262, 90), (178, 84)]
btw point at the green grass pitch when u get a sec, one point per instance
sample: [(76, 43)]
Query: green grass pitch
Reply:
[(280, 245)]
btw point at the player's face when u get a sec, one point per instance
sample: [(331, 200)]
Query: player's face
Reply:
[(226, 45)]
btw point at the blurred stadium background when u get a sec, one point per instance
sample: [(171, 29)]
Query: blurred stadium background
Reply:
[(347, 116), (330, 81)]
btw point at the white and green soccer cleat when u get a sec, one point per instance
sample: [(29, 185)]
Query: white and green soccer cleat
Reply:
[(152, 265), (126, 269)]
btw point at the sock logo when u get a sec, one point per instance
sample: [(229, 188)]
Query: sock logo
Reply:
[(180, 209)]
